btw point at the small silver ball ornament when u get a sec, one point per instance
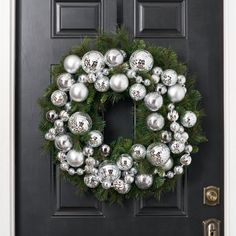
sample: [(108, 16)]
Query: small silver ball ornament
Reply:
[(124, 162), (51, 115), (176, 93), (106, 184), (95, 138), (188, 148), (91, 78), (129, 179), (64, 166), (71, 171), (58, 124), (83, 78), (65, 81), (138, 151), (72, 63), (144, 181), (80, 171), (91, 181), (155, 121), (102, 84), (169, 77), (178, 170), (166, 136), (131, 74), (64, 115), (108, 171), (88, 151), (75, 158), (79, 92), (59, 98), (105, 150), (189, 119), (170, 175), (157, 71), (114, 57), (155, 78), (186, 160), (153, 101), (181, 79), (63, 142), (137, 92), (177, 147), (119, 83), (173, 115), (161, 88)]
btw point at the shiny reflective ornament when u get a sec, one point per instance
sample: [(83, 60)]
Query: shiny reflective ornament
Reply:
[(166, 136), (64, 115), (176, 93), (153, 101), (80, 171), (114, 57), (155, 121), (108, 171), (189, 119), (49, 137), (102, 84), (143, 181), (90, 161), (188, 148), (124, 162), (91, 78), (79, 92), (75, 158), (138, 151), (139, 79), (106, 184), (161, 88), (72, 63), (170, 175), (181, 79), (157, 71), (60, 130), (91, 181), (124, 189), (137, 92), (133, 171), (155, 78), (65, 81), (71, 171), (186, 160), (79, 123), (68, 106), (177, 136), (171, 107), (119, 83), (184, 137), (88, 151), (173, 115), (95, 139), (158, 154), (82, 78), (105, 150), (181, 129), (63, 142), (178, 170), (168, 165), (61, 156), (141, 60), (58, 124), (147, 82), (177, 147), (105, 72), (169, 77), (174, 126), (131, 74), (129, 179), (64, 166), (51, 115), (92, 62), (59, 98)]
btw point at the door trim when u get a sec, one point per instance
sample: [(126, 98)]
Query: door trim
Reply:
[(7, 64)]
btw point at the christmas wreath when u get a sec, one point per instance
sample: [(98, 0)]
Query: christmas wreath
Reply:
[(100, 73)]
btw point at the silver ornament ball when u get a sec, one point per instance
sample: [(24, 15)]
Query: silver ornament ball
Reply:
[(51, 115), (79, 92), (137, 92), (92, 62), (181, 79), (155, 121), (169, 77), (80, 171), (64, 115), (155, 78), (189, 119), (64, 166), (91, 78), (114, 57), (186, 160), (138, 151), (157, 71), (102, 84), (71, 171), (63, 142), (88, 151), (106, 184), (108, 171), (95, 138), (173, 115), (166, 136), (59, 98), (105, 150), (119, 83), (72, 63), (144, 181), (177, 147), (129, 179), (65, 81), (170, 175), (178, 170), (153, 101), (176, 93), (75, 158), (161, 88), (82, 78), (91, 181), (124, 162), (168, 165)]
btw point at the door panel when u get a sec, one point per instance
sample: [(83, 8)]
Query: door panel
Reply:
[(46, 205)]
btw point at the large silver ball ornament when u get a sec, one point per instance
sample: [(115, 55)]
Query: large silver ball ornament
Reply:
[(141, 60), (108, 171), (124, 162), (169, 77), (189, 119), (59, 98), (119, 83), (143, 181), (95, 138), (153, 101), (72, 63), (177, 147), (168, 165), (158, 154), (64, 81), (79, 123), (105, 150), (176, 93), (51, 115), (91, 181), (155, 121), (63, 142), (186, 160), (114, 57), (75, 158), (102, 84), (138, 151), (137, 92), (78, 92), (92, 62)]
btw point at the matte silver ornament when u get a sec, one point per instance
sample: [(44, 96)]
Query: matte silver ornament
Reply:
[(83, 78), (186, 160), (178, 170), (65, 81), (138, 152), (155, 78), (79, 92), (129, 179), (63, 142), (119, 83), (95, 138), (75, 158), (114, 57), (88, 151), (181, 79), (171, 107), (72, 63), (80, 171), (137, 92), (155, 121), (144, 181), (177, 136), (176, 93), (158, 154), (124, 162), (71, 171), (153, 101), (184, 137), (51, 115), (105, 150), (169, 77), (141, 60), (133, 171), (92, 62), (161, 88), (108, 171), (189, 119), (139, 79), (177, 147), (157, 71), (166, 136), (59, 98), (102, 84), (79, 123), (91, 181), (168, 165)]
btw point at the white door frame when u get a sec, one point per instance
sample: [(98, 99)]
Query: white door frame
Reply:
[(7, 64)]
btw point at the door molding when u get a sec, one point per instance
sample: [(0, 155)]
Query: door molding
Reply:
[(7, 64)]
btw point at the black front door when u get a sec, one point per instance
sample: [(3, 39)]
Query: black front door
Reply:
[(47, 29)]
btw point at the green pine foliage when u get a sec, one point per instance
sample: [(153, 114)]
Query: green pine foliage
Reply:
[(96, 104)]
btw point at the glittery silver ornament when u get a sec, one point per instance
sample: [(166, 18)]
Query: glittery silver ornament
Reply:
[(178, 170), (71, 171), (157, 71), (59, 98), (82, 78), (155, 78), (58, 124), (129, 179), (170, 175), (88, 151), (176, 93), (173, 115), (90, 161), (72, 63), (75, 158), (91, 181), (64, 81), (88, 169), (155, 121), (124, 162), (79, 123), (108, 171), (80, 171), (169, 77), (181, 79), (64, 166), (63, 142), (95, 138), (168, 165), (188, 148), (153, 101), (158, 154), (166, 136), (102, 84), (91, 78), (143, 181), (105, 150), (79, 92), (137, 92), (138, 151), (119, 83), (92, 62), (131, 74), (125, 189), (185, 160), (51, 115), (106, 184), (161, 88), (174, 126), (141, 60), (177, 147), (189, 119), (114, 57), (64, 115)]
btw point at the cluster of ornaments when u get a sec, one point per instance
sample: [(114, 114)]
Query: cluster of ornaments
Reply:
[(120, 175)]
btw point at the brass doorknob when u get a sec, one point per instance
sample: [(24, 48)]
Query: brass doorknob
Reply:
[(211, 196)]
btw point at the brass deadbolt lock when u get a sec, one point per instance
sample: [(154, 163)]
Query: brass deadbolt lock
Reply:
[(211, 196)]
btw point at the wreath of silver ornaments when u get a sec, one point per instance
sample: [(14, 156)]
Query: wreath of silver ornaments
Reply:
[(122, 174)]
